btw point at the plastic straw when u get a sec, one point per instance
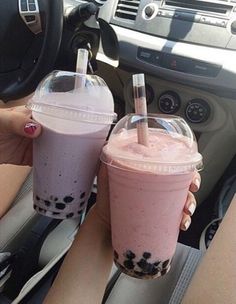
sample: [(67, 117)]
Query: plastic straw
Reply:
[(141, 107), (81, 67)]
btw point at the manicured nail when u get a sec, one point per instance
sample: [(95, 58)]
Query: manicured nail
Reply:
[(197, 183), (30, 128), (186, 225), (191, 208)]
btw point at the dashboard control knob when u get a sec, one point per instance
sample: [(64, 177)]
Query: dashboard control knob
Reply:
[(197, 110), (233, 27), (149, 94), (149, 11), (169, 102)]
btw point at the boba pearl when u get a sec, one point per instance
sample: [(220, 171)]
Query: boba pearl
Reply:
[(82, 195), (147, 255), (47, 203), (68, 199), (129, 264), (56, 213), (60, 206), (129, 255), (165, 264)]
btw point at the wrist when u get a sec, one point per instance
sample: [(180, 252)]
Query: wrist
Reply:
[(100, 218)]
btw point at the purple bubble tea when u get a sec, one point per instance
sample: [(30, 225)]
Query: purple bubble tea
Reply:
[(75, 124)]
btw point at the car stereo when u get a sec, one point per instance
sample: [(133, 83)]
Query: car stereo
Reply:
[(210, 23)]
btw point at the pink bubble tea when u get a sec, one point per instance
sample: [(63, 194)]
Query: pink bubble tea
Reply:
[(148, 189)]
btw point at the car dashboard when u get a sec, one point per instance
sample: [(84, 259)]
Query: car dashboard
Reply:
[(187, 50)]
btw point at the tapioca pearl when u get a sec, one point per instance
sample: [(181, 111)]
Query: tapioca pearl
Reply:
[(116, 255), (149, 268), (82, 204), (82, 195), (154, 271), (60, 206), (37, 198), (55, 199), (145, 266), (68, 199), (164, 271), (142, 263), (75, 182), (70, 215), (165, 264), (129, 255), (157, 263), (129, 264), (139, 273), (80, 212), (47, 203), (147, 255), (42, 210), (56, 213)]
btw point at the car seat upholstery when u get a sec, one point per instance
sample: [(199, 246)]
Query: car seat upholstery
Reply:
[(15, 224), (169, 289)]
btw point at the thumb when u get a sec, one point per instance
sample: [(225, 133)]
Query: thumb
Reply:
[(19, 123)]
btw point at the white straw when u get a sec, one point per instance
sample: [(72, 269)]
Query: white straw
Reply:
[(81, 67), (141, 107)]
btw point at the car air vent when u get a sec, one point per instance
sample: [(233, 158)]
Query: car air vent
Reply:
[(199, 5), (127, 9)]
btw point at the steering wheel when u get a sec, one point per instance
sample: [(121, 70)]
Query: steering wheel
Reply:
[(30, 37)]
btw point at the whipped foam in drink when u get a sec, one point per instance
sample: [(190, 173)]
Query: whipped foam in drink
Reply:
[(147, 199), (75, 124)]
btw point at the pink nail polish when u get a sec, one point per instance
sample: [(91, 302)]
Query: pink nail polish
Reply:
[(30, 128)]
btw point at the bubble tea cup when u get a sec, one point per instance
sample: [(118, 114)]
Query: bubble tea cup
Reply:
[(75, 123), (148, 189)]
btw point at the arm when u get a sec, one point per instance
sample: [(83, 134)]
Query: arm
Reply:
[(85, 271), (16, 132)]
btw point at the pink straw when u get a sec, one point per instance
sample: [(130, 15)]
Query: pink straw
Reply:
[(141, 107)]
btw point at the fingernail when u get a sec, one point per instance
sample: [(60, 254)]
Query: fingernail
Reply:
[(186, 225), (191, 208), (30, 128), (197, 183)]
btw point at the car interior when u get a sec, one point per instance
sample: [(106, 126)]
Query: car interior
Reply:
[(187, 51)]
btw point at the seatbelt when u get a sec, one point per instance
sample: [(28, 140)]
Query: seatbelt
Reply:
[(6, 260), (25, 262)]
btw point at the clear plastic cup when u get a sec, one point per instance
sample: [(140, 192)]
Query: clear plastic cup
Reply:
[(75, 123), (148, 189)]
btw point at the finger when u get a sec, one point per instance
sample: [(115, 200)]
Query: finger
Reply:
[(186, 222), (196, 182), (19, 122), (102, 174), (190, 205)]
